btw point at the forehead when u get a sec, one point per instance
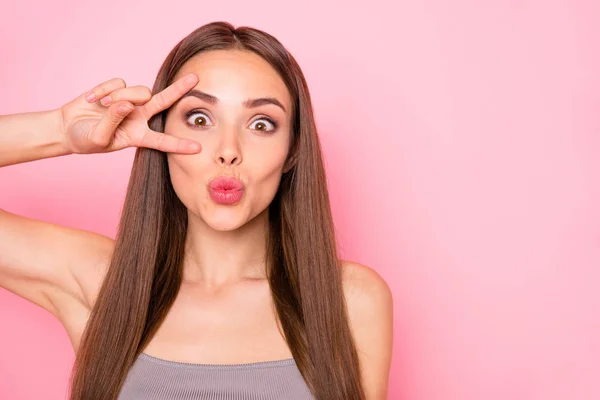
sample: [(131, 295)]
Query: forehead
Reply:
[(235, 75)]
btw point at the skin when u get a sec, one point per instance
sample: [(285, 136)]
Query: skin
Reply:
[(224, 267), (224, 290), (225, 243), (223, 313)]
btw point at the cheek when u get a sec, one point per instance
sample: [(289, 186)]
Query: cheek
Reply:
[(261, 170), (264, 175), (186, 178)]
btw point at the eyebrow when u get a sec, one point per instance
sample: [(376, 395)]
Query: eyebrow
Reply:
[(249, 103)]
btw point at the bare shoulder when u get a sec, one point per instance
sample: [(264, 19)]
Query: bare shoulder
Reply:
[(58, 268), (370, 311)]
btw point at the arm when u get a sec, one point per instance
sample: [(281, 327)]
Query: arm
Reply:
[(31, 136), (52, 265), (39, 261)]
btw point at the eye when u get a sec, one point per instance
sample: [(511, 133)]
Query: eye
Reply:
[(264, 127), (200, 120)]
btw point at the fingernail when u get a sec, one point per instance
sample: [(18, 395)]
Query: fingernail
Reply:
[(124, 108), (90, 97), (194, 146), (105, 100)]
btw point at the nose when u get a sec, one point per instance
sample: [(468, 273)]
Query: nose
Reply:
[(228, 151)]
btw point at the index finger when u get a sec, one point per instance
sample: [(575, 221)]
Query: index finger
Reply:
[(168, 144), (165, 98)]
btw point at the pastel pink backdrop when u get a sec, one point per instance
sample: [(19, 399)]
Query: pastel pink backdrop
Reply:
[(462, 150)]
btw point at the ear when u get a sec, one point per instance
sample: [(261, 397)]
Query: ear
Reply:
[(290, 163), (286, 170)]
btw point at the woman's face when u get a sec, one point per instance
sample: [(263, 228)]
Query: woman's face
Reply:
[(247, 141)]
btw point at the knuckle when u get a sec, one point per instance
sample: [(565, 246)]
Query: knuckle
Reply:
[(114, 116), (159, 141), (118, 82), (147, 93), (160, 100)]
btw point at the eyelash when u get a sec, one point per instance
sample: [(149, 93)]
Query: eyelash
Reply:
[(196, 111)]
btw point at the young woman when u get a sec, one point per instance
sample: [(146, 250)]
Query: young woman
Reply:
[(224, 280)]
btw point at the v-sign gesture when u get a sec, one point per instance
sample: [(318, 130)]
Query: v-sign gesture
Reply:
[(111, 117)]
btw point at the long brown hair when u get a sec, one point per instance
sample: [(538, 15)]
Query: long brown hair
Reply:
[(303, 267)]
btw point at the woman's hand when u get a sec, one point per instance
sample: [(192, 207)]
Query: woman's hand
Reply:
[(115, 116)]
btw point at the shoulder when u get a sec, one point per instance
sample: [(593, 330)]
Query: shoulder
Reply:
[(370, 311), (368, 296)]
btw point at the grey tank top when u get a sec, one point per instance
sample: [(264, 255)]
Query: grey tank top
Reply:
[(152, 378)]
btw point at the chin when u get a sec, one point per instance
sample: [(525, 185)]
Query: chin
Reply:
[(227, 219), (224, 226)]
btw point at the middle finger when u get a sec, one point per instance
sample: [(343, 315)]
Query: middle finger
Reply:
[(138, 95), (171, 94)]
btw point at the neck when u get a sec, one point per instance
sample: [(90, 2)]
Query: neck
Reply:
[(216, 258)]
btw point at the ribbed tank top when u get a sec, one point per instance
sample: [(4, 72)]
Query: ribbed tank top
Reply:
[(152, 378)]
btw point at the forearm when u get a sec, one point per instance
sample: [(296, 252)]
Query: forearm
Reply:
[(31, 136)]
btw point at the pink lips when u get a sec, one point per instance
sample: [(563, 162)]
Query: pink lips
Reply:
[(226, 190)]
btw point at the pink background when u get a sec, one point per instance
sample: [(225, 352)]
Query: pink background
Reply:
[(462, 148)]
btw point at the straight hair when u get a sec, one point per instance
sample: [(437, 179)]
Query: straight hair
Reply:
[(304, 270)]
